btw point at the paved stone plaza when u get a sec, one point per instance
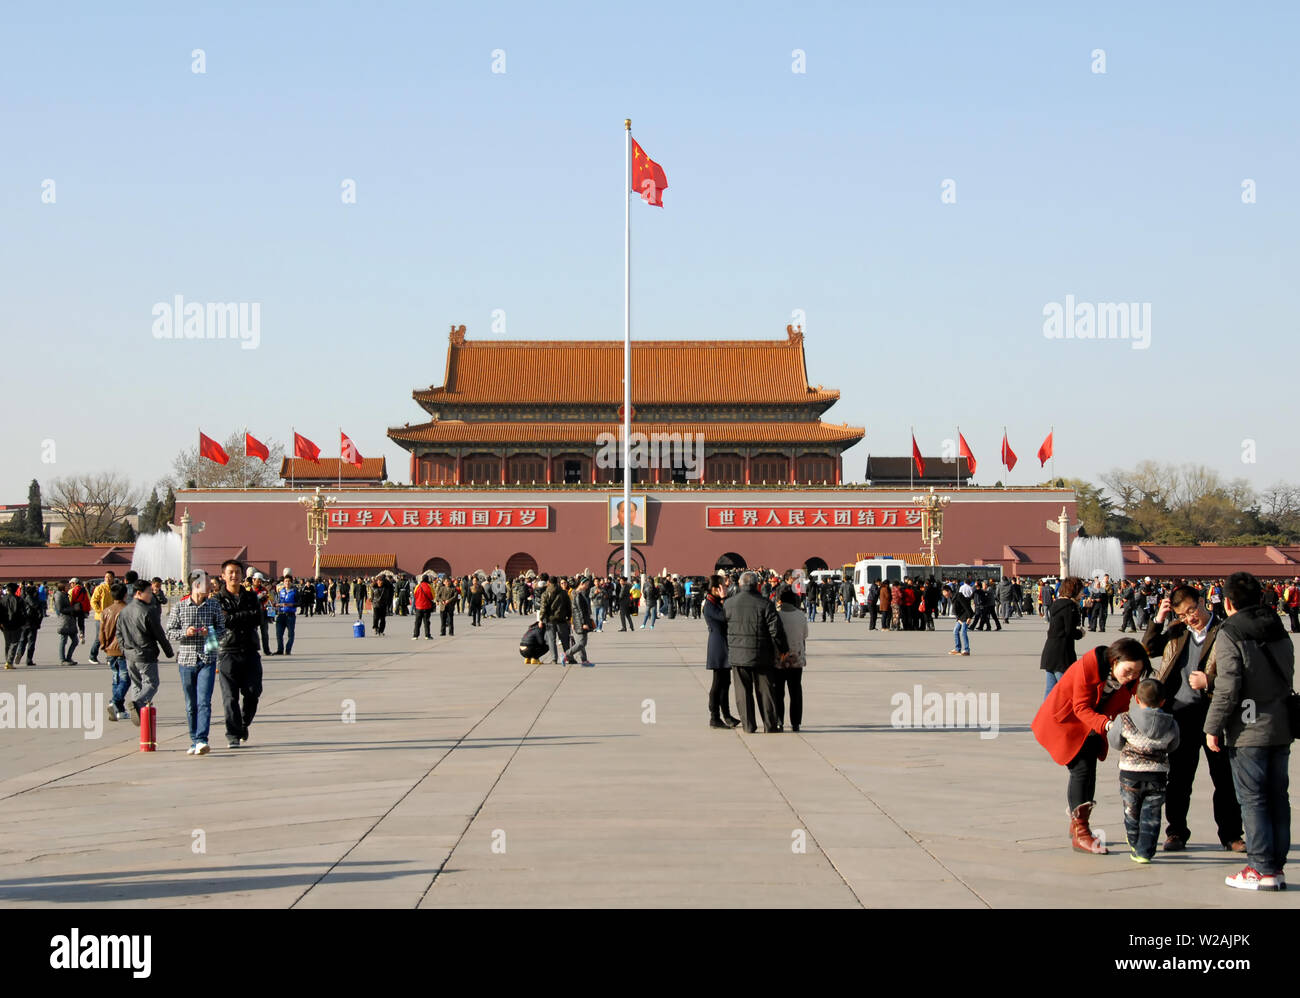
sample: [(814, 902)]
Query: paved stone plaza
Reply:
[(458, 747)]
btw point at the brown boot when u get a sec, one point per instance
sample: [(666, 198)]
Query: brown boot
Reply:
[(1081, 837)]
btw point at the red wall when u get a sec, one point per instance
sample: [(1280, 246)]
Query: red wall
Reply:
[(272, 525)]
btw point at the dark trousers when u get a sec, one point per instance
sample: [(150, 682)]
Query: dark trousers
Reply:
[(791, 681), (28, 643), (344, 601), (1183, 762), (378, 620), (1143, 795), (771, 699), (422, 616), (743, 681), (1262, 781), (872, 612), (285, 622), (626, 623), (557, 638), (447, 620), (239, 676), (1083, 772), (1127, 621), (13, 644), (264, 626), (719, 706), (1294, 614)]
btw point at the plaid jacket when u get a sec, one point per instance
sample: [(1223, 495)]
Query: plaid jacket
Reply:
[(184, 615)]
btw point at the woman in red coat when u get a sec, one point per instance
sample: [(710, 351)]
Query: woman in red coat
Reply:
[(1072, 722)]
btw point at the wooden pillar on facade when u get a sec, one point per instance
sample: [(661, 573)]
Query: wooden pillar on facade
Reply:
[(748, 454), (504, 458), (839, 469), (458, 474), (794, 464), (550, 460)]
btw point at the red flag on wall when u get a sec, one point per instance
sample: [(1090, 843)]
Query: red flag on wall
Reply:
[(1008, 455), (916, 457), (212, 450), (965, 452), (348, 451), (648, 177), (1045, 451), (255, 448), (304, 448)]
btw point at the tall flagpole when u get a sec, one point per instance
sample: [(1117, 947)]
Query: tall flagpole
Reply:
[(340, 458), (911, 465), (628, 517), (1007, 476), (294, 431), (959, 458), (1052, 433)]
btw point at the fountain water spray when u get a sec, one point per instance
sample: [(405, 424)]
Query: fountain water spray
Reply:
[(1092, 557)]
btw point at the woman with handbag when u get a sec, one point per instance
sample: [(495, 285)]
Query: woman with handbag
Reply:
[(1072, 723), (1064, 628), (715, 617), (789, 667)]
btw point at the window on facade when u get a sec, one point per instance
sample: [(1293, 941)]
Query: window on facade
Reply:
[(527, 468), (770, 468), (572, 472), (816, 468), (725, 468), (482, 469), (437, 470)]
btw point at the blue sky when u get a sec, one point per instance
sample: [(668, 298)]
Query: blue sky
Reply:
[(815, 191)]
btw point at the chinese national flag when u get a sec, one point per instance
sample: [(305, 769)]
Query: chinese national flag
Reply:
[(916, 457), (1008, 455), (305, 449), (348, 451), (1045, 451), (255, 448), (212, 450), (648, 177), (965, 452)]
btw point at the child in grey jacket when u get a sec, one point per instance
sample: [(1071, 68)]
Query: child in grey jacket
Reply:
[(1144, 737)]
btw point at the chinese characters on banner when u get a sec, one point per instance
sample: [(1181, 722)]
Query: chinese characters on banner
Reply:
[(440, 517), (812, 517)]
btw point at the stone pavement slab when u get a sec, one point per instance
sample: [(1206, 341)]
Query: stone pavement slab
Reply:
[(469, 779)]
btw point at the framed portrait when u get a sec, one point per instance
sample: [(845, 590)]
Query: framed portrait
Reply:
[(620, 519)]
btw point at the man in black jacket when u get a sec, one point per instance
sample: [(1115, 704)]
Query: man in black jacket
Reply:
[(755, 639), (239, 666), (141, 634), (1184, 648), (12, 617), (33, 617)]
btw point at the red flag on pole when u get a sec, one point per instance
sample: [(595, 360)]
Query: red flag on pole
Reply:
[(348, 451), (1008, 455), (212, 450), (305, 449), (1045, 451), (255, 448), (966, 453), (916, 457), (648, 177)]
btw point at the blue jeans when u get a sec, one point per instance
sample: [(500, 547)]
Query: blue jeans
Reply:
[(197, 682), (961, 636), (284, 622), (1052, 679), (651, 615), (812, 608), (601, 613), (94, 647), (1261, 779), (68, 642), (1144, 798), (121, 680)]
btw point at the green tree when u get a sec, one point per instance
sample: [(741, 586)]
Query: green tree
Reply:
[(35, 518), (152, 511), (168, 516)]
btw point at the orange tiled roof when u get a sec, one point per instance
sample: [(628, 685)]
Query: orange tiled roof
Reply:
[(585, 372), (358, 561), (372, 468), (459, 432)]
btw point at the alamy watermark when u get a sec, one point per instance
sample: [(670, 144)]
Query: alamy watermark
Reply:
[(684, 451), (214, 320), (919, 709), (1099, 321), (68, 711)]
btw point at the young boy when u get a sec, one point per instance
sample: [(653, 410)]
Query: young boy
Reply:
[(1144, 736)]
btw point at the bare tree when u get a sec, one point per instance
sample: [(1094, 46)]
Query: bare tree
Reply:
[(94, 505), (242, 472)]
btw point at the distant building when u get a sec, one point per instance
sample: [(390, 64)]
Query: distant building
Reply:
[(900, 472)]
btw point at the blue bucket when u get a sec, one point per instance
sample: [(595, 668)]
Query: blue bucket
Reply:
[(358, 629)]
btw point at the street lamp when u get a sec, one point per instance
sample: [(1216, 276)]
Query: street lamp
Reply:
[(931, 519), (318, 525)]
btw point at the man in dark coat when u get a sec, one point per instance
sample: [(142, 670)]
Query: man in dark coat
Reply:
[(239, 666), (33, 616), (755, 639), (715, 618)]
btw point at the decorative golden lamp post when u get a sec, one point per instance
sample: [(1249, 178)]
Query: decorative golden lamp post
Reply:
[(931, 519), (318, 522)]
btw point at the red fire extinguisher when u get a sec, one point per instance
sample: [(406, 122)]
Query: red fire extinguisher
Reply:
[(148, 728)]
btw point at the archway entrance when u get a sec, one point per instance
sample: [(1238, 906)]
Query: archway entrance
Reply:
[(814, 565), (520, 563), (436, 565), (729, 562), (614, 565)]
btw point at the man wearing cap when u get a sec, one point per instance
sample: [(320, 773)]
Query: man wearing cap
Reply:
[(140, 634)]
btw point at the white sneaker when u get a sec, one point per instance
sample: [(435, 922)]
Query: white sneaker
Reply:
[(190, 750), (1250, 879), (201, 748)]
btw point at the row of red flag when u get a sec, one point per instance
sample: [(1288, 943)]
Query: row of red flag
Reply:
[(1008, 455), (302, 447)]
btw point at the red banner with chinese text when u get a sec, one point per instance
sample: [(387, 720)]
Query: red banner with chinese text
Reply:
[(439, 517), (811, 517)]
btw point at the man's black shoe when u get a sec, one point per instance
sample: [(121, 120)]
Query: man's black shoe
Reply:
[(716, 722), (1174, 844), (732, 722)]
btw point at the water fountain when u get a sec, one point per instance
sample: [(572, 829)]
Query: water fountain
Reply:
[(157, 556), (1091, 557)]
